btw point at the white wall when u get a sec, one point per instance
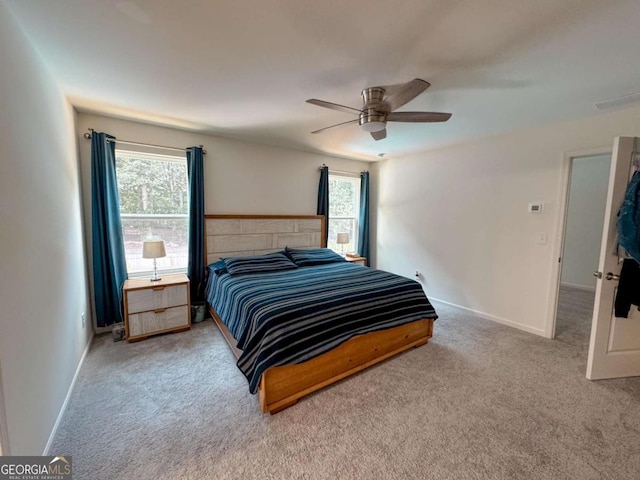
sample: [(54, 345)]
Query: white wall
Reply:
[(43, 290), (585, 220), (459, 215), (240, 177)]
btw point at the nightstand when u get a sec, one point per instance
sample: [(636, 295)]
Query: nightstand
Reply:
[(156, 307), (357, 260)]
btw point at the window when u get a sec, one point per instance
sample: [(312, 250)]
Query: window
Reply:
[(153, 203), (344, 208)]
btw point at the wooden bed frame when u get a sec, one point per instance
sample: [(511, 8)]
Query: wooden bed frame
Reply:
[(281, 387)]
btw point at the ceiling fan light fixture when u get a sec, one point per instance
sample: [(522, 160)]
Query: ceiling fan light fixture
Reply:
[(373, 126), (372, 121)]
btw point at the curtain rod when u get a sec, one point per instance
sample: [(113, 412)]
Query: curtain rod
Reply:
[(127, 142), (341, 171)]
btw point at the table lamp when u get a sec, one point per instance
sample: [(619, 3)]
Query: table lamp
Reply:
[(342, 240), (154, 249)]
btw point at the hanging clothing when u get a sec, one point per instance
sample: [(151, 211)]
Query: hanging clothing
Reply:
[(628, 247), (628, 288), (628, 224)]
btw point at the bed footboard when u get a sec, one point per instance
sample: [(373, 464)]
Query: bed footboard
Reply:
[(281, 387)]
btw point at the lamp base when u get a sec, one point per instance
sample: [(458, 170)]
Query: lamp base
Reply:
[(155, 277)]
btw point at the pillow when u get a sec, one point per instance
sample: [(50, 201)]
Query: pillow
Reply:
[(313, 256), (269, 262), (218, 267)]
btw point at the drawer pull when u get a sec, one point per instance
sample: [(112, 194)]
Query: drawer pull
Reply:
[(159, 310), (157, 288)]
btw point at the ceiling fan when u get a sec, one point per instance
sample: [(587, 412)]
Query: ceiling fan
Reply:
[(378, 105)]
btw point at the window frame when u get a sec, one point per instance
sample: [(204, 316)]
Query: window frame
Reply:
[(355, 179), (142, 154)]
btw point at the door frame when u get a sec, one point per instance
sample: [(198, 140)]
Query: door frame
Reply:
[(558, 244)]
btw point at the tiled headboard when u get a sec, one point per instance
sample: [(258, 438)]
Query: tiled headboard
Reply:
[(242, 235)]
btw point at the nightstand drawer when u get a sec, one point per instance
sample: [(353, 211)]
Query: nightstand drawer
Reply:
[(153, 298), (157, 321)]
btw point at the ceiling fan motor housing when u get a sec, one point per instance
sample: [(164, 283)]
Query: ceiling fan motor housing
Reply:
[(372, 96), (371, 120)]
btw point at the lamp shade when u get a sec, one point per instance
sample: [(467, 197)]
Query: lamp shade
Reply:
[(153, 249), (343, 239)]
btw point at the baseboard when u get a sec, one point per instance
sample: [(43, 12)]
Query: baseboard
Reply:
[(63, 409), (494, 318), (588, 288)]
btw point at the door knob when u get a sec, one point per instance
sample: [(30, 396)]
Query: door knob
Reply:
[(612, 276), (597, 274)]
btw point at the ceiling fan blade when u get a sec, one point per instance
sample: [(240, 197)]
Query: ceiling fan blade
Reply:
[(333, 106), (379, 135), (418, 117), (336, 125), (398, 95)]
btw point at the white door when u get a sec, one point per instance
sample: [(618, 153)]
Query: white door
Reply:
[(614, 348)]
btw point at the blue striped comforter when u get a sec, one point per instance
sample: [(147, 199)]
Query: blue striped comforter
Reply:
[(289, 317)]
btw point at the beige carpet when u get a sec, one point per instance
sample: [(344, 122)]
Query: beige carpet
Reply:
[(480, 401), (574, 316)]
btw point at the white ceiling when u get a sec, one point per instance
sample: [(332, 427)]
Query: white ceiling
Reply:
[(244, 68)]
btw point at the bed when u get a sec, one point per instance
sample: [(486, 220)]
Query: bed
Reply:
[(297, 329)]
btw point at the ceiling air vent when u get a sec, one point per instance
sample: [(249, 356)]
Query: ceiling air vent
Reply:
[(619, 102)]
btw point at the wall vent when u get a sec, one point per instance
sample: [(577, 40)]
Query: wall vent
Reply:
[(619, 101)]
